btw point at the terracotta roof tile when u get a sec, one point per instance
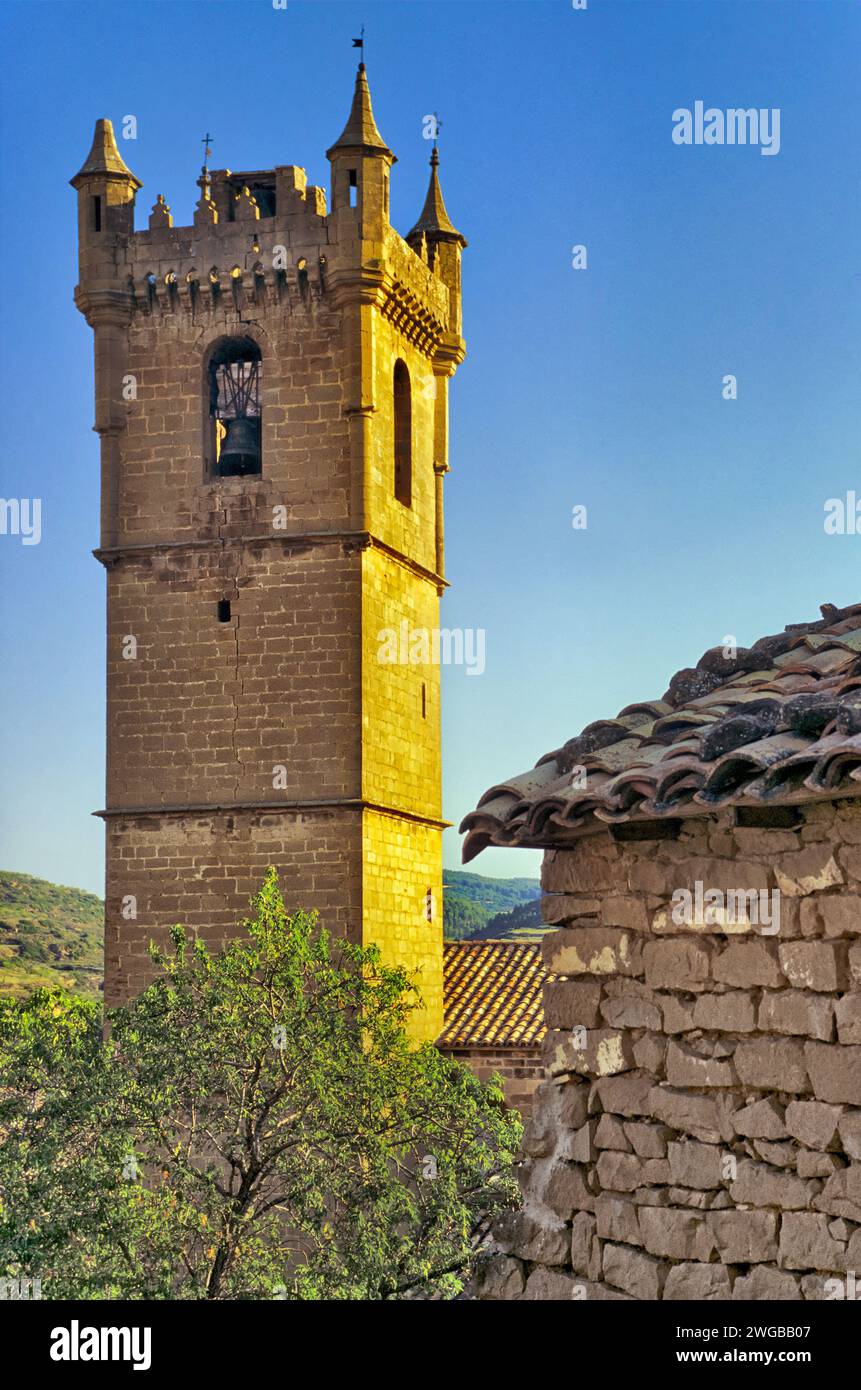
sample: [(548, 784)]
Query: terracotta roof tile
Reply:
[(492, 992), (778, 723)]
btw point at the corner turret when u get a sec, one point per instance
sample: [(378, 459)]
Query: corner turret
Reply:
[(361, 162), (106, 191), (443, 241)]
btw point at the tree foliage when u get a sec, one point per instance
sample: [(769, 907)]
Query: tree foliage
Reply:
[(256, 1125), (49, 935), (476, 907)]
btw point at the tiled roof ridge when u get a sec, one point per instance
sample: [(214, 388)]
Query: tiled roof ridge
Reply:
[(780, 720), (493, 941)]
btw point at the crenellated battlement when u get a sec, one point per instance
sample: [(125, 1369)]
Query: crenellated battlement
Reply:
[(278, 261), (263, 240)]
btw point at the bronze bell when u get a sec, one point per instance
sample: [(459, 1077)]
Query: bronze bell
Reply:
[(240, 451)]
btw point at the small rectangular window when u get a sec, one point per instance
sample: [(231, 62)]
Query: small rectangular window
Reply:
[(97, 214), (354, 187), (224, 610)]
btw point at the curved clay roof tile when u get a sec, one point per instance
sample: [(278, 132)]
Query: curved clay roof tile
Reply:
[(671, 757)]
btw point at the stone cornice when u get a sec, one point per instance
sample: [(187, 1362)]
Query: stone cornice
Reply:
[(355, 803), (105, 306), (361, 540), (362, 285)]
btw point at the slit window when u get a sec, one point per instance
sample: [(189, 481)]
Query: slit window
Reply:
[(403, 435), (97, 213), (354, 187), (224, 610)]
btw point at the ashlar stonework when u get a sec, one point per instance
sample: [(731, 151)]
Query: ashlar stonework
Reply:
[(249, 719)]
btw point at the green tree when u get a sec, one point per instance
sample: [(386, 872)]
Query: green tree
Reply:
[(256, 1125), (461, 918), (63, 1212)]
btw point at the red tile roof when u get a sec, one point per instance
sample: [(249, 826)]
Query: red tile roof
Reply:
[(492, 993), (776, 724)]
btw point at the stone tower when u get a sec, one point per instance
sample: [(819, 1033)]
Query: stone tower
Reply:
[(271, 400)]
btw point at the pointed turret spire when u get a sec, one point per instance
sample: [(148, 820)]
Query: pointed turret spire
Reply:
[(104, 159), (360, 132), (434, 221)]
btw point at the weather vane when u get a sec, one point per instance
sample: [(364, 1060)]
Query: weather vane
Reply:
[(360, 43)]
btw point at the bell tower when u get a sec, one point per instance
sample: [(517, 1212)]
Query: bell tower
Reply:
[(272, 406)]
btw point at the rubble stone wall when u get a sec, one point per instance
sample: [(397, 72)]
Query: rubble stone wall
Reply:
[(698, 1132)]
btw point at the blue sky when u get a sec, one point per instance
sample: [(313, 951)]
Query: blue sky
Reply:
[(600, 387)]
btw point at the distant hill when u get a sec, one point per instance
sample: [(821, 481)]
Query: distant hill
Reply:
[(49, 936), (475, 907), (522, 923)]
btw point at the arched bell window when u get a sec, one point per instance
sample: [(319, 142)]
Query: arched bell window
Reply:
[(234, 425), (403, 435)]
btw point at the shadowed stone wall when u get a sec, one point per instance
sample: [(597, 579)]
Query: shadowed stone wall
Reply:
[(698, 1132)]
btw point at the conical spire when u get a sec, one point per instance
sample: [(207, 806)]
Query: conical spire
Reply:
[(434, 220), (104, 158), (361, 132)]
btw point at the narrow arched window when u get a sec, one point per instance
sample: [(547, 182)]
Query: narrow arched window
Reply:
[(234, 421), (403, 435)]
